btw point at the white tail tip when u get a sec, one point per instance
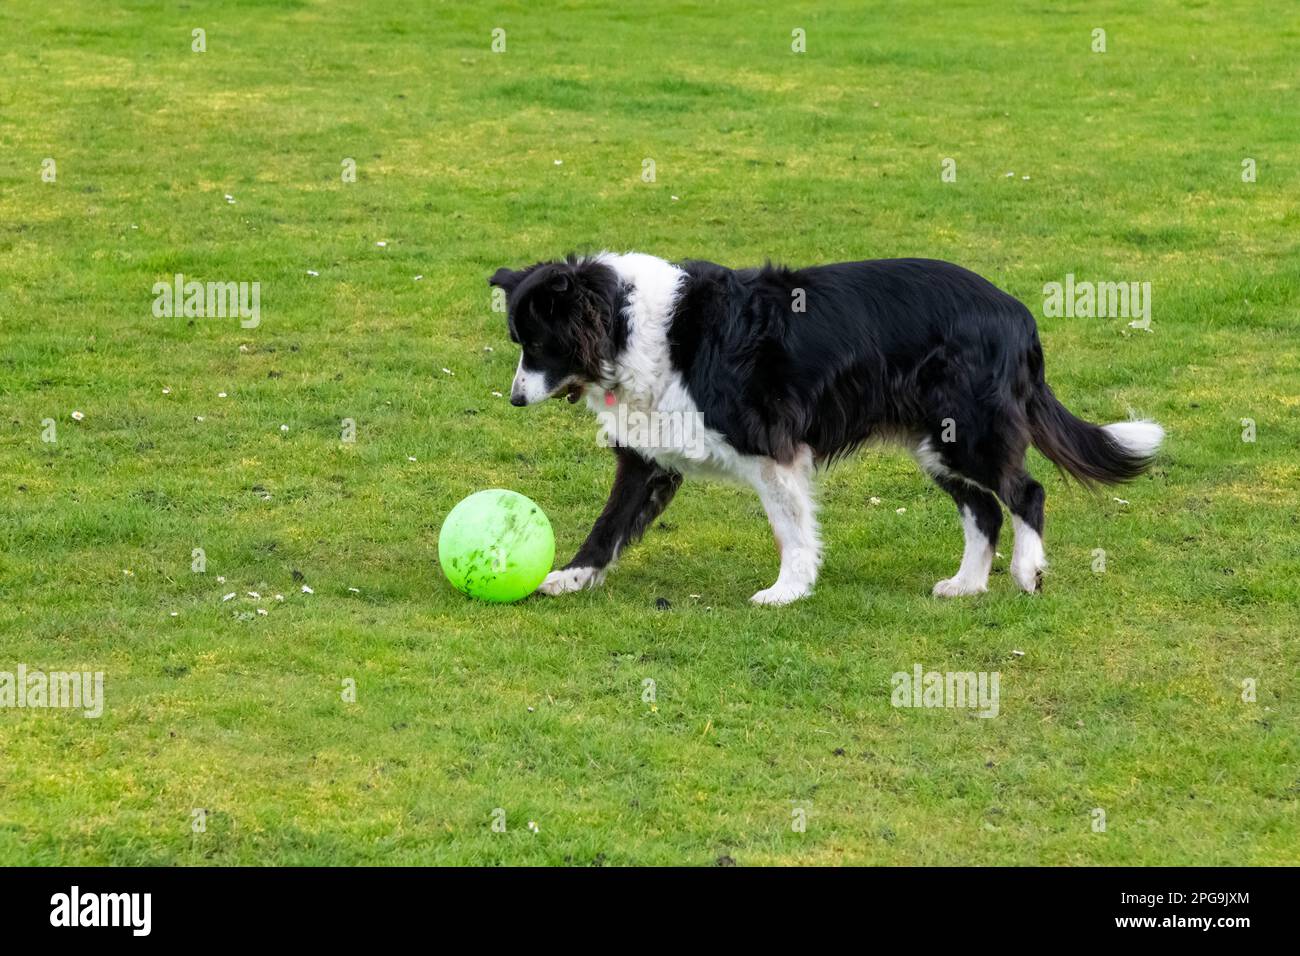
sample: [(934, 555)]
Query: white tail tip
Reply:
[(1140, 439)]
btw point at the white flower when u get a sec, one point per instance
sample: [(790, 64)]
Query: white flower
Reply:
[(221, 394), (77, 416), (198, 418), (381, 244), (355, 590), (312, 272), (279, 597), (254, 595), (220, 579), (227, 597), (166, 390), (874, 500), (284, 428), (900, 511), (261, 611), (307, 590)]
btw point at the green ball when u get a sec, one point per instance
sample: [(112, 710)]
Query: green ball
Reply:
[(496, 545)]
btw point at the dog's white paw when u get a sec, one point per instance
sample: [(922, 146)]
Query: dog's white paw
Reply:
[(1028, 576), (957, 587), (570, 579), (780, 593)]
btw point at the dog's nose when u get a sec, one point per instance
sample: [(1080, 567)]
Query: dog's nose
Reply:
[(517, 400)]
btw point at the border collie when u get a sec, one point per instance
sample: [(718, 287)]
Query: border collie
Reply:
[(790, 369)]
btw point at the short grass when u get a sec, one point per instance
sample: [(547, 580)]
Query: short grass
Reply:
[(1121, 690)]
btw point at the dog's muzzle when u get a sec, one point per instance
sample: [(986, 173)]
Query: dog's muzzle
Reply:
[(529, 388)]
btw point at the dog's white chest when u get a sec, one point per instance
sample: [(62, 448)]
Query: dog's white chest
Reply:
[(668, 429), (650, 410)]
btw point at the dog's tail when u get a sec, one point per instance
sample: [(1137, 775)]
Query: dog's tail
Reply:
[(1091, 453)]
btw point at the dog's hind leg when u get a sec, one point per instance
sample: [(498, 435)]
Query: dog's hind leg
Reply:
[(786, 493), (981, 521), (641, 491), (1024, 497)]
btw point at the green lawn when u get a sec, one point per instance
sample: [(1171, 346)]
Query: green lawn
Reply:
[(1120, 690)]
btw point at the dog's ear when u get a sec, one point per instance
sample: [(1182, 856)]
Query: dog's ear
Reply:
[(507, 279)]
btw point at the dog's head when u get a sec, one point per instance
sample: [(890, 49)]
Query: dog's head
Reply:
[(562, 314)]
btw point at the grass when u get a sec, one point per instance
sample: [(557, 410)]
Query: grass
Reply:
[(1120, 690)]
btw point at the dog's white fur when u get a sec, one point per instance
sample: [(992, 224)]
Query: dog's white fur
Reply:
[(571, 579), (529, 385), (1027, 558), (976, 562), (1139, 438)]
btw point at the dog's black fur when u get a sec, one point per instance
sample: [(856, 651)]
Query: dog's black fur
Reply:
[(892, 344)]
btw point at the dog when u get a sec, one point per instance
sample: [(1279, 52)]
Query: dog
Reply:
[(788, 370)]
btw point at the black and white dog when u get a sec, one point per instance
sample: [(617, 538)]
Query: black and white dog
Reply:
[(789, 369)]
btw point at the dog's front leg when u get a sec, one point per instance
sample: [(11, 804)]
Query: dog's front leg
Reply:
[(642, 489), (786, 493)]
